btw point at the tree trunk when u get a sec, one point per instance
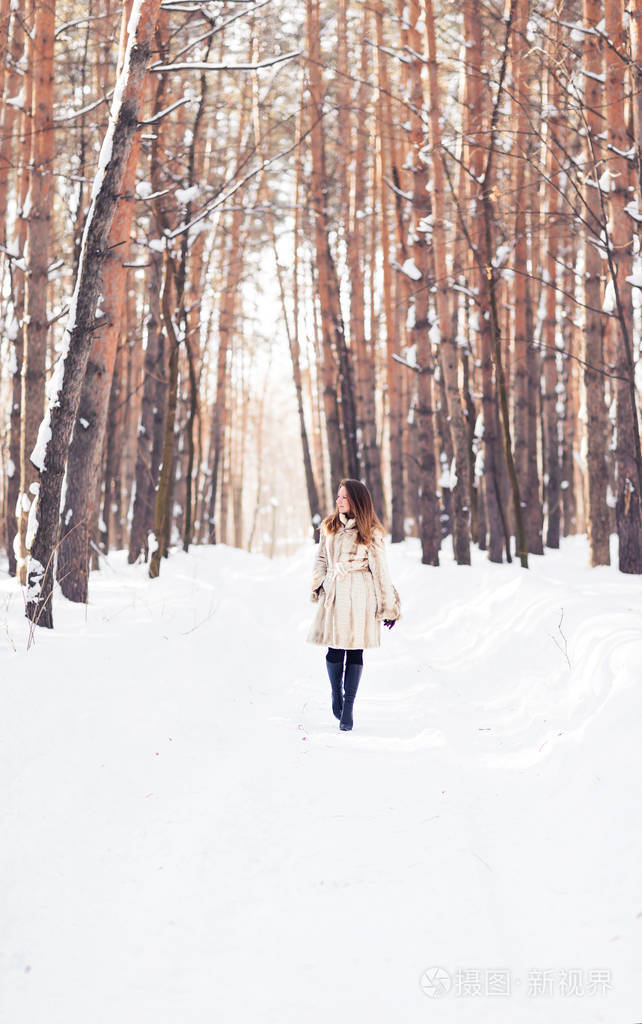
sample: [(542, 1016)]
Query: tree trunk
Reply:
[(391, 315), (634, 12), (627, 452), (490, 281), (475, 132), (461, 491), (151, 409), (534, 514), (551, 440), (522, 315), (429, 530), (162, 510), (40, 201), (56, 428), (342, 439), (353, 208), (292, 332), (84, 463), (227, 314), (596, 422), (8, 153), (569, 396), (111, 525)]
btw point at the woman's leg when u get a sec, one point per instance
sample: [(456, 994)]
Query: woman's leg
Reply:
[(354, 668), (334, 665)]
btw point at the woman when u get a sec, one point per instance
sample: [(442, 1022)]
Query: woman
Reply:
[(350, 581)]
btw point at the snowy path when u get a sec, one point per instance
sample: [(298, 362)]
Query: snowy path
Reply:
[(188, 837)]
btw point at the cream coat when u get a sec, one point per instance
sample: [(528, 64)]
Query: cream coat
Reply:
[(351, 583)]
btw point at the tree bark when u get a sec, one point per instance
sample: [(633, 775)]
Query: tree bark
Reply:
[(22, 155), (627, 451), (596, 422), (391, 316), (525, 380), (342, 437), (162, 510), (40, 201), (429, 530), (550, 422), (56, 428), (227, 315), (490, 278), (461, 492), (476, 121), (152, 410), (85, 452), (353, 210)]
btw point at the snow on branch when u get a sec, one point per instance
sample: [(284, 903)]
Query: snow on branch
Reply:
[(78, 21), (409, 268), (225, 66), (72, 114), (404, 362), (163, 113)]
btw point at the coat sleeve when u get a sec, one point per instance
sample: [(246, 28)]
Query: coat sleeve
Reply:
[(320, 569), (388, 603)]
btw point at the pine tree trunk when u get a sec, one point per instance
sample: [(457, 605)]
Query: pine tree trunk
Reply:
[(551, 440), (342, 437), (84, 463), (491, 288), (9, 151), (461, 492), (534, 514), (429, 530), (627, 451), (634, 14), (475, 132), (146, 468), (292, 331), (596, 424), (391, 315), (227, 314), (354, 198), (18, 287), (570, 398), (162, 510), (13, 469), (40, 200), (111, 532), (522, 339), (55, 431)]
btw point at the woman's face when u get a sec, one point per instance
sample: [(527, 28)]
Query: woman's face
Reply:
[(343, 502)]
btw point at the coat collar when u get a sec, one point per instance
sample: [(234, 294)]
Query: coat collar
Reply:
[(348, 523)]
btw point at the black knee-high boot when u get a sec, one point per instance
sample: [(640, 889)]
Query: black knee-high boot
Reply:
[(335, 672), (350, 687)]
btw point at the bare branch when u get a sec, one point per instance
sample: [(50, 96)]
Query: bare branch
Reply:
[(226, 66)]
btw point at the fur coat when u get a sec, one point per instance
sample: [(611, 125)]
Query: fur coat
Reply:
[(351, 583)]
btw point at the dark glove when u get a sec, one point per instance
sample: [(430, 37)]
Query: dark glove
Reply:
[(389, 623)]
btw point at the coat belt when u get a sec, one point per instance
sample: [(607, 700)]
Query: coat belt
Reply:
[(339, 569)]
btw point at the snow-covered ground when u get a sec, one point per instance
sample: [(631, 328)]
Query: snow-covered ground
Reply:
[(187, 837)]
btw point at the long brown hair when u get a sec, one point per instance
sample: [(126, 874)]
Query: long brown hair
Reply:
[(361, 507)]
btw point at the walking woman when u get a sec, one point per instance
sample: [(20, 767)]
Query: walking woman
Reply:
[(351, 583)]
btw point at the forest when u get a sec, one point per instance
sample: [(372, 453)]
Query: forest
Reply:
[(249, 249), (253, 252)]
